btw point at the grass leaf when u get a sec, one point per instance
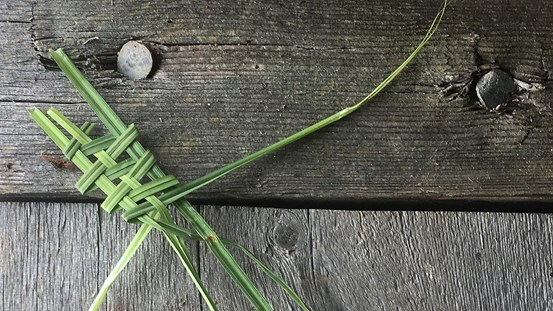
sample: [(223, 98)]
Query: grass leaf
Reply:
[(183, 190), (152, 212), (117, 128)]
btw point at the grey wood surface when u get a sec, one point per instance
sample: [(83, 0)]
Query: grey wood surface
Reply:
[(54, 255), (235, 77)]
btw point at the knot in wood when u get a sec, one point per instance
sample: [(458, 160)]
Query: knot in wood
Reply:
[(286, 236), (289, 232)]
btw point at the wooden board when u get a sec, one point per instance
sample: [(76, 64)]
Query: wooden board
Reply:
[(235, 77), (370, 260), (56, 255)]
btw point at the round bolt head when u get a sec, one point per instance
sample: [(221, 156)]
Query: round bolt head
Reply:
[(495, 88), (134, 60)]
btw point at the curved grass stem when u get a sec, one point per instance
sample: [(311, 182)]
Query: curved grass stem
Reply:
[(185, 189)]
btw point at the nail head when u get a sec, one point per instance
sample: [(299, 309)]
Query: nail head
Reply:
[(134, 60), (495, 88)]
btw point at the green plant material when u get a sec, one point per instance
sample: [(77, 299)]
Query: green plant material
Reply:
[(187, 234), (121, 264), (139, 200), (124, 141), (107, 186), (183, 190)]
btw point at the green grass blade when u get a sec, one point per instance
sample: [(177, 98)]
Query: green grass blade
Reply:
[(49, 128), (209, 178), (121, 264), (87, 91), (186, 260), (117, 127), (188, 234), (277, 279), (221, 253), (82, 162), (130, 252), (183, 190)]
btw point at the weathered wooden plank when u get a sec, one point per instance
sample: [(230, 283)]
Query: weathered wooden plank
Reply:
[(433, 260), (279, 238), (20, 11), (48, 255), (234, 78), (349, 260), (56, 255)]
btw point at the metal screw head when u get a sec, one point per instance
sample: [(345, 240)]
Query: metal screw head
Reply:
[(495, 89), (134, 60)]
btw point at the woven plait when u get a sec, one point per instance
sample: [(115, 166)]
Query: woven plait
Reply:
[(105, 161)]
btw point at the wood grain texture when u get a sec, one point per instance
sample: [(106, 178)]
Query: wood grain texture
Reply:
[(279, 238), (236, 77), (433, 260), (56, 255), (340, 260)]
